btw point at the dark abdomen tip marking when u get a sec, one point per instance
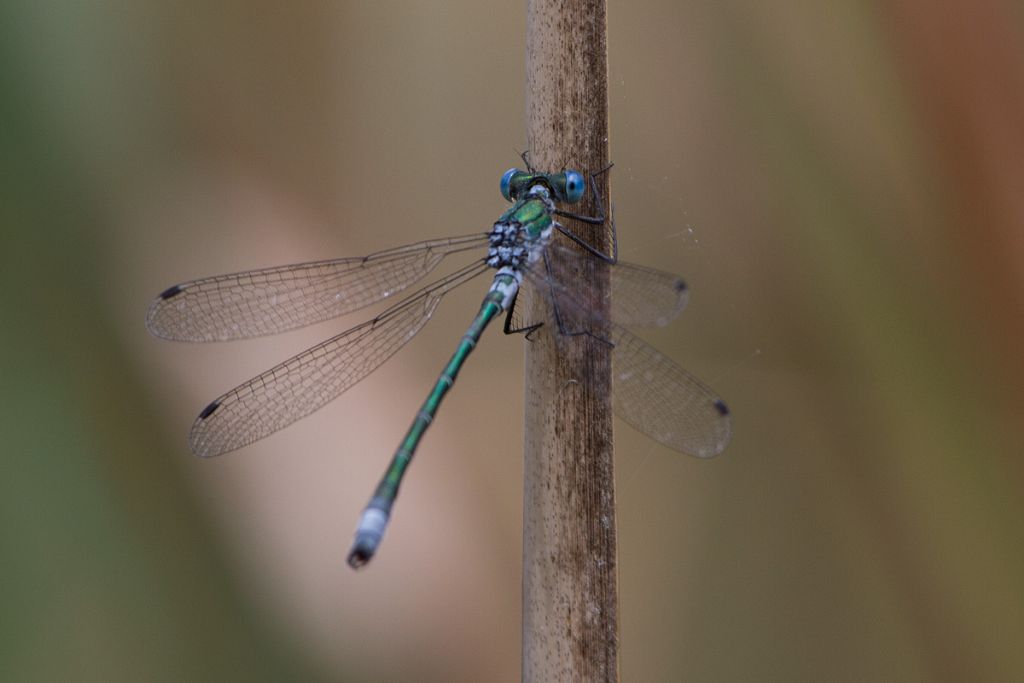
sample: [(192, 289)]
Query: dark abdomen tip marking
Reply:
[(208, 410), (170, 291), (358, 558), (721, 407)]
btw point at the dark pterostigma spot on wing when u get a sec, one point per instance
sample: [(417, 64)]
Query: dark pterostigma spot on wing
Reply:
[(171, 291), (208, 410)]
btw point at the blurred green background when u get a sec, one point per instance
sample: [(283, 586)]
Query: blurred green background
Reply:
[(839, 183)]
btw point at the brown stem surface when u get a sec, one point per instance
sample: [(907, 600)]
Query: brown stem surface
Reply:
[(570, 602)]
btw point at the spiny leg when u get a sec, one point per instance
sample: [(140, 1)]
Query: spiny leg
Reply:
[(525, 156), (526, 330), (560, 321)]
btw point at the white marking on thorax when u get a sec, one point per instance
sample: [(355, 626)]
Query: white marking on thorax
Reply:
[(511, 244), (507, 286)]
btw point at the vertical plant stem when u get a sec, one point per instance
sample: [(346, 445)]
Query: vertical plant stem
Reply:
[(570, 601)]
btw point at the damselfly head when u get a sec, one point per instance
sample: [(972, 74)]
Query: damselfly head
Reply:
[(567, 186)]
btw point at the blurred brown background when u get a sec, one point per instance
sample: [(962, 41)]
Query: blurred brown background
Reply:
[(839, 183)]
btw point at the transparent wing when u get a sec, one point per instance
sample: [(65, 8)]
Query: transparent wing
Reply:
[(641, 296), (308, 381), (657, 397), (271, 300), (644, 296), (650, 391)]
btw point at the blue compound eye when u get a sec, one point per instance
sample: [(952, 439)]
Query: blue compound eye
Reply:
[(506, 183), (575, 184)]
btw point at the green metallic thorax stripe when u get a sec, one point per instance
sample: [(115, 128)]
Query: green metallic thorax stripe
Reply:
[(530, 213)]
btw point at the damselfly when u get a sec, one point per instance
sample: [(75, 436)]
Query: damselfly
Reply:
[(651, 392)]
